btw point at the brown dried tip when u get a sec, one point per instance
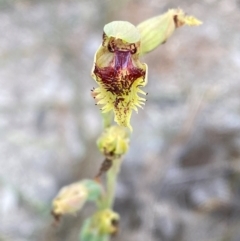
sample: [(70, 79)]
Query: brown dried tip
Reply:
[(106, 165), (178, 23), (57, 218), (115, 224)]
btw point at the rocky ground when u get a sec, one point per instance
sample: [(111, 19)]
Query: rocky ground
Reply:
[(180, 180)]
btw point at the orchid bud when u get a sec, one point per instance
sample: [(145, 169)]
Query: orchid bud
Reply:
[(100, 226), (107, 221), (71, 198), (157, 30), (113, 142), (118, 71)]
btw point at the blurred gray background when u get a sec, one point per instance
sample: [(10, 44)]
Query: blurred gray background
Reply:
[(180, 180)]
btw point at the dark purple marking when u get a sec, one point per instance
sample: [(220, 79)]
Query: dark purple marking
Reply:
[(120, 75), (175, 19), (122, 60), (118, 100)]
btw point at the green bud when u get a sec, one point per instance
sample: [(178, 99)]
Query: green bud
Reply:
[(114, 141), (106, 221), (157, 30), (100, 226)]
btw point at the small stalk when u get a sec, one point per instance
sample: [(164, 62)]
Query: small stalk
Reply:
[(107, 119), (112, 175)]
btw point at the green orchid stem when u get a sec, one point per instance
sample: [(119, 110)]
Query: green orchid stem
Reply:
[(112, 175), (107, 119)]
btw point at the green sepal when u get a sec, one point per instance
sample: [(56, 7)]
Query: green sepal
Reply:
[(122, 30), (94, 189), (157, 30)]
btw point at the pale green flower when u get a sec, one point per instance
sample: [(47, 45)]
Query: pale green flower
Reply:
[(117, 68)]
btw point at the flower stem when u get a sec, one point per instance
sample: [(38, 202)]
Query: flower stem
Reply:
[(112, 175), (107, 119)]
